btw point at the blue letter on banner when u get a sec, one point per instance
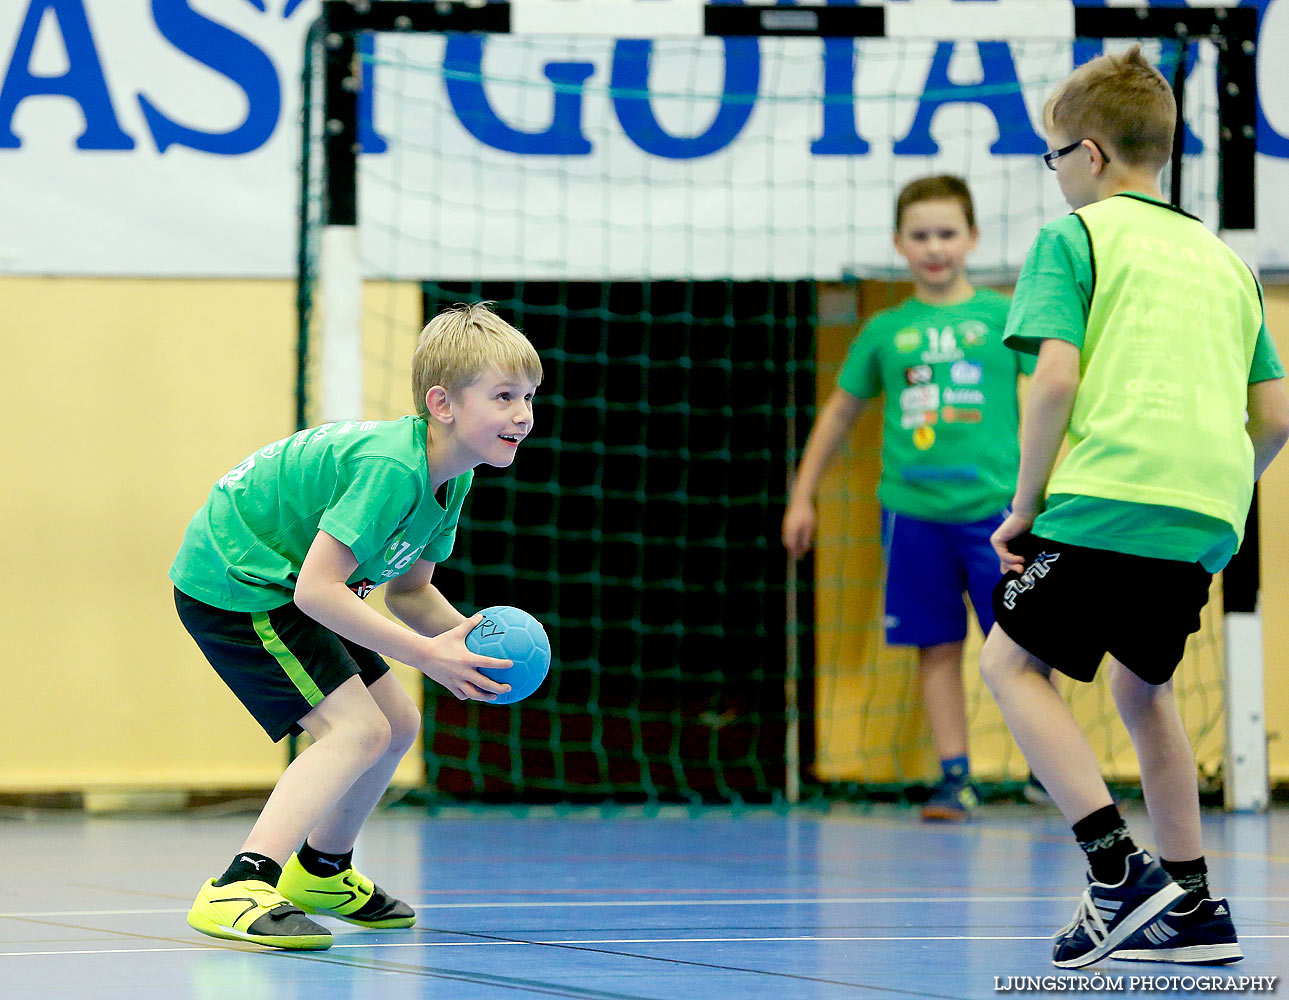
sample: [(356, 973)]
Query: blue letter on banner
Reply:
[(999, 91), (839, 136), (83, 82), (463, 77), (369, 140), (630, 89), (231, 55)]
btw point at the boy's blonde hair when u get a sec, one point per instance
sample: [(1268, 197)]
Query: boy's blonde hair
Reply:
[(461, 343), (1120, 100), (939, 187)]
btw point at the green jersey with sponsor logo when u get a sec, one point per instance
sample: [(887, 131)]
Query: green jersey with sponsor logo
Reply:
[(366, 483), (949, 435)]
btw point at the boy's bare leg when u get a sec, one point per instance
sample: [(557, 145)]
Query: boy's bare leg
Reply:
[(1044, 727), (338, 829), (940, 669), (1168, 780), (350, 736)]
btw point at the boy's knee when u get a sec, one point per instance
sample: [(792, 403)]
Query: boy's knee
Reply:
[(400, 713), (1132, 694), (993, 669), (404, 726), (1002, 661), (370, 736)]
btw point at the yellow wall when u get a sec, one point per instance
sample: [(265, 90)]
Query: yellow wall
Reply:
[(124, 401), (871, 726)]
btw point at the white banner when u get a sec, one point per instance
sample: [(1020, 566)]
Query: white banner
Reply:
[(162, 139)]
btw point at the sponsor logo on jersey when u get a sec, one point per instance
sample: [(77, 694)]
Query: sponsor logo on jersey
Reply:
[(919, 418), (962, 415), (920, 397), (918, 375), (923, 438), (973, 332), (908, 339), (967, 372), (363, 587), (969, 397)]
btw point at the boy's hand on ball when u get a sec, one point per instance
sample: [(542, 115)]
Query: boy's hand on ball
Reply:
[(517, 639), (457, 668)]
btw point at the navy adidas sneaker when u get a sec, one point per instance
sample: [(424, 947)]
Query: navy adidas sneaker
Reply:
[(1203, 935), (1108, 914)]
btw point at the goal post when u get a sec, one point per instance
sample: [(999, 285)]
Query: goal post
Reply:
[(556, 284)]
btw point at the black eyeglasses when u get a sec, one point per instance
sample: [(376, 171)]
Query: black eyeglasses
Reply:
[(1051, 157)]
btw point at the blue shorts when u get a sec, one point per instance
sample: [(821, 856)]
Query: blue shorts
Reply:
[(929, 566)]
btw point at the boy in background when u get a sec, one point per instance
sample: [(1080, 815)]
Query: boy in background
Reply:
[(270, 582), (949, 456), (1151, 347)]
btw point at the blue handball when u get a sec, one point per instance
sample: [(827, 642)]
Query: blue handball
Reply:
[(512, 634)]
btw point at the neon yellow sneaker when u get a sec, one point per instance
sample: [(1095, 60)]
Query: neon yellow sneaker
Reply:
[(254, 911), (349, 895)]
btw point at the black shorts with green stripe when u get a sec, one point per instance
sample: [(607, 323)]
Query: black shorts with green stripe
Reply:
[(279, 663)]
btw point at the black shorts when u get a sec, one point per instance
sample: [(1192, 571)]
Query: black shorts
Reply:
[(1072, 605), (279, 663)]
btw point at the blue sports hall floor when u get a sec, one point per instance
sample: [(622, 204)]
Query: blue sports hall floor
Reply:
[(615, 905)]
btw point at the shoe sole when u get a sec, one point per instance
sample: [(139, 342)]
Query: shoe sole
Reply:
[(944, 814), (292, 942), (1137, 919), (1194, 954), (393, 923)]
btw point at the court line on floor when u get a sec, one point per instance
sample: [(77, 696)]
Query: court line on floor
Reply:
[(499, 942), (586, 904), (511, 983), (570, 945)]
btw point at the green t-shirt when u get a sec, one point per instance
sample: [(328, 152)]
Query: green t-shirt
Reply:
[(365, 483), (949, 432), (1053, 300)]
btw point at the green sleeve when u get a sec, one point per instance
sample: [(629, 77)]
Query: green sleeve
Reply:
[(372, 496), (1266, 359), (439, 547), (861, 373), (1054, 291)]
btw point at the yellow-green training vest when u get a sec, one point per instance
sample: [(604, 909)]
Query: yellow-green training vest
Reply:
[(1164, 370)]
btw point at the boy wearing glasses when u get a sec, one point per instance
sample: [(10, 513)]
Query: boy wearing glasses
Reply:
[(1151, 347)]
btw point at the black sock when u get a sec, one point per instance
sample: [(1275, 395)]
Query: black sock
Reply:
[(248, 865), (324, 865), (1191, 876), (1104, 837)]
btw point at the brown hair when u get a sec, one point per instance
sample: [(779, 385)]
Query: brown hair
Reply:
[(940, 187), (1120, 100), (461, 343)]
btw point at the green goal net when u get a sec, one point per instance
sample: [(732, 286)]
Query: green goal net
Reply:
[(690, 230)]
